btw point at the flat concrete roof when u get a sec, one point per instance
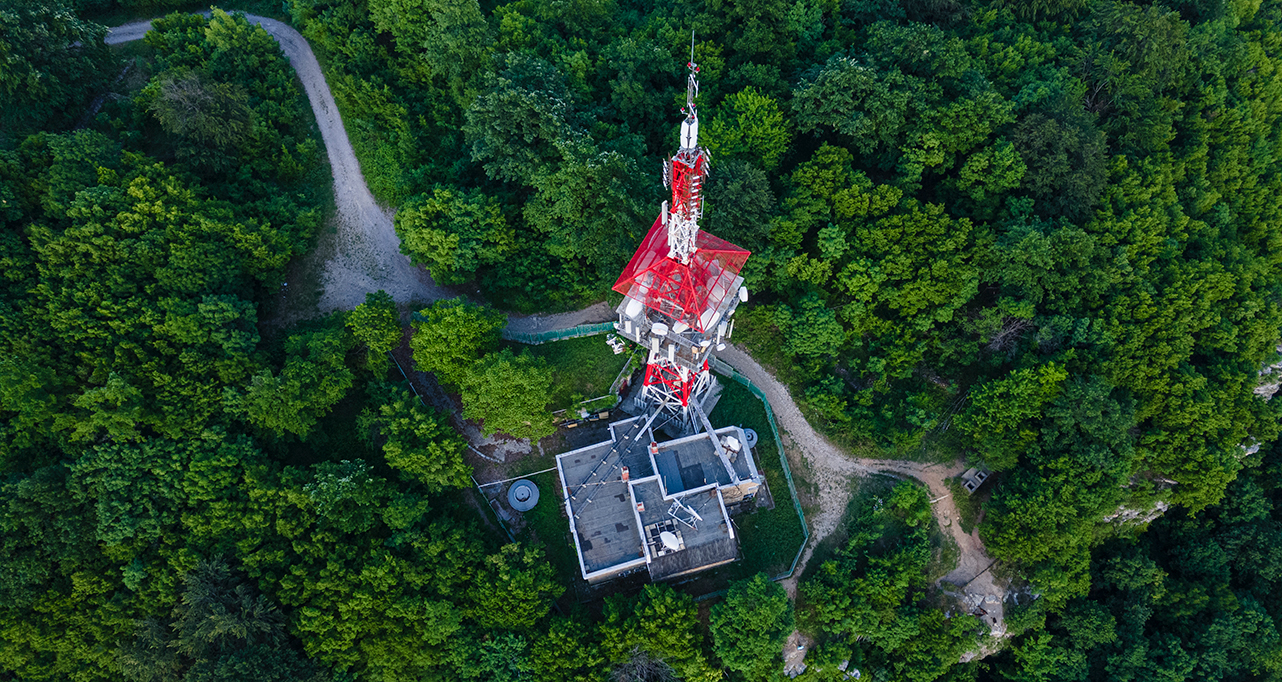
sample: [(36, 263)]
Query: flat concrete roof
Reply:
[(609, 517), (600, 504), (691, 462)]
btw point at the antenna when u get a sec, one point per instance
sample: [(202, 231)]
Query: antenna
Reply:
[(692, 82)]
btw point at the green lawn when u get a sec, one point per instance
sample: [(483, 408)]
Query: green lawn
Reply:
[(547, 522), (582, 368), (769, 539)]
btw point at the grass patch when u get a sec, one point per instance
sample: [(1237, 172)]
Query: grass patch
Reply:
[(548, 524), (582, 368), (769, 539)]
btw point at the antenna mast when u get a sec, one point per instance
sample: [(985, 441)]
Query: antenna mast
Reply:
[(682, 285), (687, 170)]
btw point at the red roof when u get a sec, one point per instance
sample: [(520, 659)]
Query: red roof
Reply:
[(682, 292)]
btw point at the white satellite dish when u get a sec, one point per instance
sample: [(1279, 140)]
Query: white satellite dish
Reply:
[(670, 540)]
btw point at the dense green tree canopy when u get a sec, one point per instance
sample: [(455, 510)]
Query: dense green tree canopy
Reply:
[(1038, 236)]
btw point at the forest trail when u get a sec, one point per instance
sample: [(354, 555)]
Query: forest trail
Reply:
[(832, 470), (367, 257)]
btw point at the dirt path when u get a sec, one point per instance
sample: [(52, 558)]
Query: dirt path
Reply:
[(529, 324), (367, 253), (832, 470)]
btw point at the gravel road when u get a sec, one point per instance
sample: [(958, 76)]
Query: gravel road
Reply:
[(367, 256), (832, 471)]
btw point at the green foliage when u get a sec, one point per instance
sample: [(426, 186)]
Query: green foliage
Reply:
[(211, 114), (450, 336), (750, 626), (1046, 512), (515, 589), (314, 378), (914, 99), (1003, 413), (660, 622), (873, 591), (376, 324), (417, 442), (509, 393), (448, 39), (749, 126), (812, 332), (739, 204), (1195, 597), (1051, 224), (54, 63), (516, 122), (566, 653), (585, 208), (453, 234), (220, 628)]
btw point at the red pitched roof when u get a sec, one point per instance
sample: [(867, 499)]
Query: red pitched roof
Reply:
[(682, 292)]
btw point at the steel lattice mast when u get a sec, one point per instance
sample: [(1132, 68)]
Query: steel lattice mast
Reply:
[(682, 286)]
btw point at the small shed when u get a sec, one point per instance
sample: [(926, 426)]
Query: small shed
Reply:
[(973, 478)]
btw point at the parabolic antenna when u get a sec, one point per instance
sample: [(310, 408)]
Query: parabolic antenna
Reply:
[(751, 437), (523, 495), (669, 540)]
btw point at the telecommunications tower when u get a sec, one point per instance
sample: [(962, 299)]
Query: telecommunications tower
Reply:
[(682, 286)]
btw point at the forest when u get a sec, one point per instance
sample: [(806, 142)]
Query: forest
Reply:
[(1042, 236)]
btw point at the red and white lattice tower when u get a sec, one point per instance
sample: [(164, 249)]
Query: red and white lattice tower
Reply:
[(682, 286)]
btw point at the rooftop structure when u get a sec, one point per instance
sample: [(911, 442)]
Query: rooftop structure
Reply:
[(637, 504)]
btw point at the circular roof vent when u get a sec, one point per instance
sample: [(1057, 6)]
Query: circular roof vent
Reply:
[(750, 436), (523, 495)]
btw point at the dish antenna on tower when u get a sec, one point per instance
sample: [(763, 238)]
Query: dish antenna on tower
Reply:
[(669, 540)]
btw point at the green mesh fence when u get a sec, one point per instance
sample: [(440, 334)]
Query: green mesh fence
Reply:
[(537, 338), (722, 368)]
